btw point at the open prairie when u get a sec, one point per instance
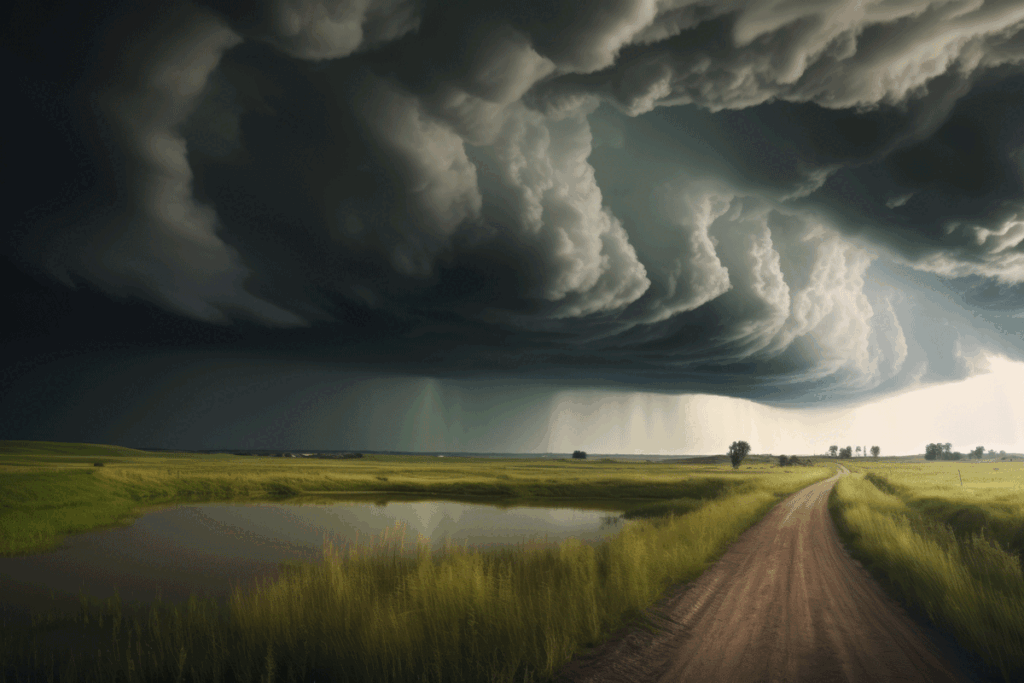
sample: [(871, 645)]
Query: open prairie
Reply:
[(947, 538), (49, 490), (370, 612)]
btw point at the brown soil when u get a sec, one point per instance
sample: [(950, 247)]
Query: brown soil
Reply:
[(785, 603)]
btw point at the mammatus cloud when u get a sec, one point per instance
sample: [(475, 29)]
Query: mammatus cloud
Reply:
[(435, 162)]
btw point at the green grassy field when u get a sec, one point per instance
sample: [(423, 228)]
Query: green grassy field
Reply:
[(372, 613), (951, 550), (50, 490)]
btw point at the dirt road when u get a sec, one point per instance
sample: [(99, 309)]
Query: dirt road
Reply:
[(785, 603)]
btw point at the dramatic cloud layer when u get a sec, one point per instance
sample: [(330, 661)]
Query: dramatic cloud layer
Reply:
[(765, 199)]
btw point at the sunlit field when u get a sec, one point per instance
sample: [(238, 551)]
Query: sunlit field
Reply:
[(372, 612), (952, 550)]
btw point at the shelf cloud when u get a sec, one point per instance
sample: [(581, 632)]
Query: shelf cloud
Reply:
[(755, 198)]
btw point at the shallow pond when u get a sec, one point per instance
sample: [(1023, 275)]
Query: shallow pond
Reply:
[(207, 549)]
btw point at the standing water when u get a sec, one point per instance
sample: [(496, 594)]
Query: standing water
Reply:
[(208, 549)]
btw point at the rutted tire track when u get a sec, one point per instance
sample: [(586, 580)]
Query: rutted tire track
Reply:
[(785, 603)]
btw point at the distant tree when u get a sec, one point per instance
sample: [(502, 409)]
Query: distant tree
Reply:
[(875, 451), (978, 452), (941, 451), (783, 461), (846, 452), (579, 455), (833, 451), (737, 451), (793, 460)]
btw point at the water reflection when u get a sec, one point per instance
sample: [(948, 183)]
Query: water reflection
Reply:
[(207, 549)]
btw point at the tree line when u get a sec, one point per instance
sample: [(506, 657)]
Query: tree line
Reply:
[(848, 451), (944, 451)]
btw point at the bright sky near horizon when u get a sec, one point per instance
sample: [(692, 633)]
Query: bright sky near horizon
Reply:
[(984, 410)]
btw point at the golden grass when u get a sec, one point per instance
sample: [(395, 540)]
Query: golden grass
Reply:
[(989, 501), (930, 541)]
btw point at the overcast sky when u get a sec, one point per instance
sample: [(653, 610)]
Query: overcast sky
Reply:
[(619, 225)]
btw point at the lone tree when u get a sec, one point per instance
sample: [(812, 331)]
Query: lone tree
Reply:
[(579, 455), (875, 451), (737, 451), (846, 452), (833, 451)]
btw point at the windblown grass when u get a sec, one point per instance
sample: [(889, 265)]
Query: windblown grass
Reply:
[(970, 497), (389, 612), (903, 522)]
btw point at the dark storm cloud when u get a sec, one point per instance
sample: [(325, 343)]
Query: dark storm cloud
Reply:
[(676, 194), (949, 168), (151, 237)]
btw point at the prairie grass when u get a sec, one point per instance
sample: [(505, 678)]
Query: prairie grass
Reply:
[(970, 497), (394, 611), (50, 490), (903, 521)]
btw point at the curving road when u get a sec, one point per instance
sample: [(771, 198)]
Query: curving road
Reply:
[(785, 603)]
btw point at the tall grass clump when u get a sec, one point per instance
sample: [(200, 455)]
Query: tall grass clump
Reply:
[(463, 615), (967, 585)]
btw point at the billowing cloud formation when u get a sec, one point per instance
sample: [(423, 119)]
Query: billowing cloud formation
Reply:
[(327, 29), (546, 192), (837, 53), (438, 181), (158, 240), (690, 193)]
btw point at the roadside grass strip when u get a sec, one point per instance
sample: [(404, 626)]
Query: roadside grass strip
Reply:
[(965, 582), (970, 497), (504, 615)]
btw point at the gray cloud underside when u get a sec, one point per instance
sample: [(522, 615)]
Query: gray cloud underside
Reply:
[(487, 166)]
